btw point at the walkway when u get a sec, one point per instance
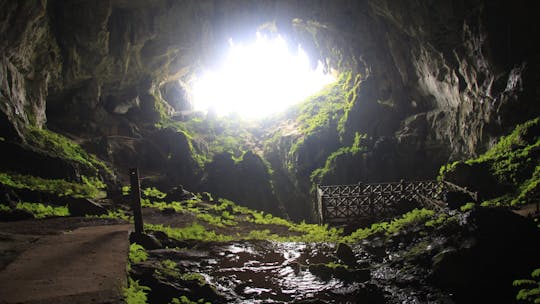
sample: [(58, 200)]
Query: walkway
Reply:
[(86, 265)]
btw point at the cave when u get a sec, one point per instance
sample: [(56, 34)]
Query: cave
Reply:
[(439, 93)]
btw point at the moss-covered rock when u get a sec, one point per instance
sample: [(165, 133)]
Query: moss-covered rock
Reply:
[(508, 171)]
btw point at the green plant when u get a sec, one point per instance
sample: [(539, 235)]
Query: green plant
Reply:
[(215, 220), (118, 214), (186, 300), (416, 216), (137, 253), (331, 164), (135, 293), (153, 193), (192, 232), (513, 163), (91, 187), (63, 147), (39, 210), (193, 276), (531, 292), (467, 207), (4, 208), (334, 265)]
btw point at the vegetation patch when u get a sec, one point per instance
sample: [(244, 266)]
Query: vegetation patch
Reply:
[(513, 163), (135, 293), (137, 253), (414, 217), (530, 288), (63, 147), (38, 210), (90, 188), (332, 162)]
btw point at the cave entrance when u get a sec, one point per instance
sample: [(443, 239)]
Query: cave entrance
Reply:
[(258, 79)]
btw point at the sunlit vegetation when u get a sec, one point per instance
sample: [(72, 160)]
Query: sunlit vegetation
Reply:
[(513, 163), (192, 232), (38, 210), (137, 254), (186, 300), (90, 187), (530, 288), (331, 163), (208, 136), (135, 293), (210, 219), (63, 147), (415, 217)]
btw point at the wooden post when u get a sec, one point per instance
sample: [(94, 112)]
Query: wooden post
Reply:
[(136, 203)]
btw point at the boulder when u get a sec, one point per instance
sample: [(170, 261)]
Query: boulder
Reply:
[(148, 241), (84, 206), (178, 194), (345, 253)]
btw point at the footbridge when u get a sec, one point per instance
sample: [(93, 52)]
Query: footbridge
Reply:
[(339, 204)]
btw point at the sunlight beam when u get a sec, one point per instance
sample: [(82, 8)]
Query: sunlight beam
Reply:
[(259, 79)]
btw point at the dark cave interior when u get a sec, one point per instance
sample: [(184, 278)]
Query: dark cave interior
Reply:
[(444, 91)]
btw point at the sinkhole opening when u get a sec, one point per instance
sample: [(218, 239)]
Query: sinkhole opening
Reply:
[(258, 79)]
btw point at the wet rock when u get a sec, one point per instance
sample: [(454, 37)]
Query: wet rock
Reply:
[(499, 249), (455, 199), (165, 241), (84, 206), (322, 271), (345, 253), (178, 194), (148, 241), (352, 275)]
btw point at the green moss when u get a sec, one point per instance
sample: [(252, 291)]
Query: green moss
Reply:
[(467, 207), (4, 208), (90, 188), (39, 210), (330, 166), (217, 221), (152, 192), (529, 190), (114, 214), (334, 265), (63, 147), (186, 300), (193, 276), (513, 163), (414, 217), (192, 232)]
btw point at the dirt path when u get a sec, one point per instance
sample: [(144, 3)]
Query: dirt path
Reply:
[(86, 265)]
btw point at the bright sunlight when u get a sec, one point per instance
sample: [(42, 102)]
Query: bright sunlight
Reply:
[(258, 79)]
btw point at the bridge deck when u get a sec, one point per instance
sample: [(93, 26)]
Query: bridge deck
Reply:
[(344, 203)]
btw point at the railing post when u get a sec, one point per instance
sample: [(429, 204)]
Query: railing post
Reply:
[(136, 200), (320, 205)]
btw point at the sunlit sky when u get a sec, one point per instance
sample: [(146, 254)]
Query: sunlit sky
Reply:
[(258, 79)]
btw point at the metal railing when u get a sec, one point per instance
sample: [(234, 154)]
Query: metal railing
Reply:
[(343, 203)]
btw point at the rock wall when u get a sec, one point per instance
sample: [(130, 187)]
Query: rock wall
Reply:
[(440, 80)]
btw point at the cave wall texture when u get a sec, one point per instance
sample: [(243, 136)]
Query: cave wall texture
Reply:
[(440, 79)]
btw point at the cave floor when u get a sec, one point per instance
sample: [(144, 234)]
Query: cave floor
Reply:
[(55, 261)]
